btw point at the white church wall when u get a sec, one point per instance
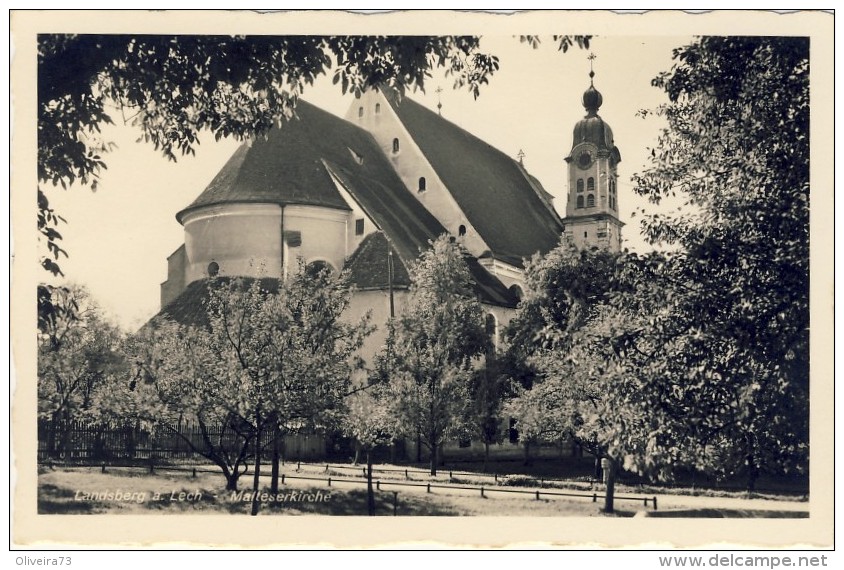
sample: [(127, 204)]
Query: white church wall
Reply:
[(377, 303), (175, 283), (243, 239), (411, 165), (323, 233)]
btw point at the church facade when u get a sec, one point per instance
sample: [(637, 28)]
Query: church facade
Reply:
[(368, 192)]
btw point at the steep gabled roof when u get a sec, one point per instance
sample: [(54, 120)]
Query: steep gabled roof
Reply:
[(409, 228), (368, 265), (287, 166), (491, 188)]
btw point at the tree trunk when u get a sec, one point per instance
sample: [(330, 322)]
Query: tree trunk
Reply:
[(598, 471), (486, 455), (256, 481), (752, 473), (370, 494), (610, 492), (418, 448), (357, 453), (434, 451), (231, 479), (527, 453), (276, 460)]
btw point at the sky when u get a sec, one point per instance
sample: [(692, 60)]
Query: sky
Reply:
[(119, 237)]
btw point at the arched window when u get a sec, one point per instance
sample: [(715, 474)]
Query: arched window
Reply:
[(377, 108), (461, 231), (516, 291), (395, 145), (422, 185), (580, 201), (318, 268), (590, 184), (360, 111), (580, 184), (213, 269), (590, 201)]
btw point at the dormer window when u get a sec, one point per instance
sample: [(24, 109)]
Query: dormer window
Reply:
[(377, 108), (360, 111), (359, 227), (422, 184), (395, 145), (461, 231)]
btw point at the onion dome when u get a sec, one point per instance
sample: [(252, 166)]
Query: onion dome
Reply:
[(592, 100), (592, 128)]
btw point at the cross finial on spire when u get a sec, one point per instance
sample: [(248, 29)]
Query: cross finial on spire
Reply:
[(439, 102), (592, 57), (521, 157)]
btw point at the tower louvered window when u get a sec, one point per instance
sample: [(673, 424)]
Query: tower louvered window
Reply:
[(590, 200), (580, 201), (580, 184), (590, 185)]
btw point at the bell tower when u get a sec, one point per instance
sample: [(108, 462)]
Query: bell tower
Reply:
[(592, 206)]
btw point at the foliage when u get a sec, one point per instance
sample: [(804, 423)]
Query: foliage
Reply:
[(740, 272), (268, 358), (432, 347), (78, 351), (698, 356)]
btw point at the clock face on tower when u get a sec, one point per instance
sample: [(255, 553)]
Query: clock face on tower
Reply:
[(584, 159)]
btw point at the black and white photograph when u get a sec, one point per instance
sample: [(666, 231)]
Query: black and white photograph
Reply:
[(524, 284)]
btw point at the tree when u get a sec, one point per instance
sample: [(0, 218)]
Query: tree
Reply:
[(174, 87), (78, 350), (367, 419), (271, 356), (740, 265), (433, 347), (565, 288), (488, 388)]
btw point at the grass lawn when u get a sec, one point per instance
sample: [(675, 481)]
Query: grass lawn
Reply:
[(84, 490), (133, 491)]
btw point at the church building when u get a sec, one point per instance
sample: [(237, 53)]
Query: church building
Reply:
[(368, 192)]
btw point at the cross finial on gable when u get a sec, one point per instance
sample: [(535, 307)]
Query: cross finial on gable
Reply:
[(521, 157), (591, 57)]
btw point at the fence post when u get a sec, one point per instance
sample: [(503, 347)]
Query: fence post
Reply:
[(482, 492), (103, 467), (594, 497), (654, 503), (406, 476), (282, 478), (395, 502), (646, 501), (364, 471), (326, 467), (151, 464), (378, 484), (450, 475), (537, 495), (429, 487), (194, 472), (329, 481), (496, 477)]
